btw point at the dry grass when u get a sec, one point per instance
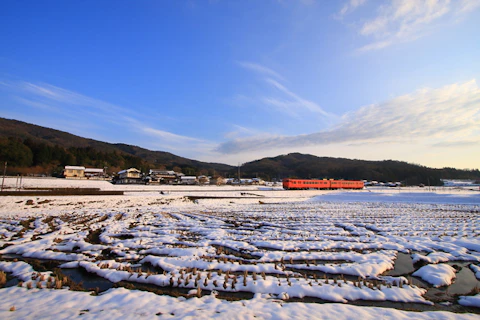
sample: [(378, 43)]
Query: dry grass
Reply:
[(93, 236), (103, 218), (58, 283), (3, 278)]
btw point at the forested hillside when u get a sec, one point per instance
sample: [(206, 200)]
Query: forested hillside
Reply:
[(32, 149), (309, 166)]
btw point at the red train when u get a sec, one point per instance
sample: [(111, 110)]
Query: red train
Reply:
[(300, 184)]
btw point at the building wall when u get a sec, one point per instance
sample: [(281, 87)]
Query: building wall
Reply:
[(130, 174), (73, 173)]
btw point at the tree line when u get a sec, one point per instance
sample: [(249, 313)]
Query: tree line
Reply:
[(28, 157), (296, 165)]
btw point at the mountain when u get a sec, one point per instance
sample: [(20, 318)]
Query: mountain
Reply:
[(38, 135), (309, 166), (29, 149)]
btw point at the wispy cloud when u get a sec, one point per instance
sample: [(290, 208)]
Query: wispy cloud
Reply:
[(65, 105), (260, 69), (457, 144), (467, 6), (61, 101), (295, 101), (171, 137), (281, 98), (400, 21), (433, 116), (242, 131), (349, 7), (302, 2), (164, 140)]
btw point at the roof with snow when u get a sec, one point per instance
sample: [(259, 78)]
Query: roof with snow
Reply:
[(129, 170), (93, 170), (164, 172), (188, 178), (74, 168)]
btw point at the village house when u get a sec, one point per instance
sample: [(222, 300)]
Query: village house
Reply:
[(203, 180), (129, 176), (163, 176), (189, 180), (75, 172), (219, 181), (80, 172), (94, 173), (258, 181)]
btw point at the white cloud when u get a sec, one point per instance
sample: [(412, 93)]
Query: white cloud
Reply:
[(171, 137), (400, 21), (295, 100), (281, 98), (303, 2), (467, 6), (430, 116), (65, 105), (350, 6), (184, 145), (307, 2), (242, 131), (57, 94), (39, 105), (259, 69)]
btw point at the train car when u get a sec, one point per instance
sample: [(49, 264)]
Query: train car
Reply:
[(299, 184), (303, 184), (346, 184), (352, 184)]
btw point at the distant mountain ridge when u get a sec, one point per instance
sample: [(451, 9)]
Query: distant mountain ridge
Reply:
[(23, 130), (279, 167), (309, 166)]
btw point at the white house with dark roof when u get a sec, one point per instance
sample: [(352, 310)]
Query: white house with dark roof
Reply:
[(188, 180), (162, 176), (129, 176)]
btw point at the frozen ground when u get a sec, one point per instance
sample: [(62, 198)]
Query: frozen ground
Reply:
[(277, 254)]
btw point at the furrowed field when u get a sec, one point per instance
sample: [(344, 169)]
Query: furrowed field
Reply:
[(241, 252)]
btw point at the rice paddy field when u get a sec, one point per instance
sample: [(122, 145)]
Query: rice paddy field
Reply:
[(239, 252)]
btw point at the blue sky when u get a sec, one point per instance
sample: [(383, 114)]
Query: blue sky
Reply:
[(235, 81)]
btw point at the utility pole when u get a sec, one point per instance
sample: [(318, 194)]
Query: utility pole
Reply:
[(238, 172), (4, 173)]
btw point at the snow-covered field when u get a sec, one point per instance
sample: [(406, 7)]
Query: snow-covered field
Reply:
[(240, 252)]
